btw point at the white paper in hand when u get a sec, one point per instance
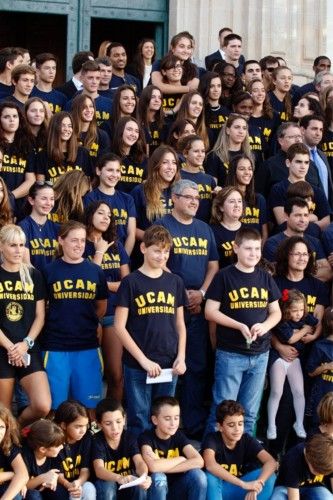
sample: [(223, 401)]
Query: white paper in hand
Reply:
[(164, 376), (135, 482)]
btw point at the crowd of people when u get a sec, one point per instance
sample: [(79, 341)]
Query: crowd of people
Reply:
[(165, 232)]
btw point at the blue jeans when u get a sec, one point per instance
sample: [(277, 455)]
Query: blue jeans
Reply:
[(239, 377), (217, 489), (139, 397), (194, 381), (308, 493), (108, 490), (190, 485)]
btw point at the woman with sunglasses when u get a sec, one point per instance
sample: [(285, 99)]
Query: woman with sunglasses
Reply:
[(40, 232)]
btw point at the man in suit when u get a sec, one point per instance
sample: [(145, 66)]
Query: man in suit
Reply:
[(219, 55), (312, 133), (72, 86)]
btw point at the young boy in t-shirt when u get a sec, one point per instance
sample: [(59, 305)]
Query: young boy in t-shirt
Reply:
[(228, 455), (149, 321), (243, 301), (305, 471), (173, 462), (116, 456)]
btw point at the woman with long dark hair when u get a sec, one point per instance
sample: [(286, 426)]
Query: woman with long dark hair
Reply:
[(105, 250), (37, 115), (241, 175), (151, 117), (18, 156), (143, 59), (85, 128), (63, 152), (130, 145)]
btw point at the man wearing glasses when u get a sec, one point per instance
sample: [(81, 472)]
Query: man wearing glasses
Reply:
[(194, 258), (296, 211)]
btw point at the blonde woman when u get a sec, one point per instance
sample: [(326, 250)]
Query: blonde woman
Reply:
[(22, 313), (232, 141)]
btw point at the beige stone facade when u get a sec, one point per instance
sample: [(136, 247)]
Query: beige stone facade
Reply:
[(297, 30)]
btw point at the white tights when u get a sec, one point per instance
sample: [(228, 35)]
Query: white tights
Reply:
[(278, 373)]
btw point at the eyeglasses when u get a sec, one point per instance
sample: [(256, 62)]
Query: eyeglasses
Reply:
[(299, 254), (176, 66), (188, 197), (295, 137), (44, 183)]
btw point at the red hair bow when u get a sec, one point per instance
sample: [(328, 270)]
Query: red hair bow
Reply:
[(285, 295)]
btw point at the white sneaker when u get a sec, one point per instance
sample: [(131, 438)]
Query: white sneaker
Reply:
[(271, 433), (300, 431)]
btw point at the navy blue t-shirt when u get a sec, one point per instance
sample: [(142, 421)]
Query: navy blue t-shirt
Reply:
[(315, 291), (237, 460), (206, 185), (294, 471), (278, 197), (132, 174), (152, 312), (321, 352), (6, 460), (255, 216), (42, 241), (215, 117), (47, 167), (165, 448), (18, 303), (244, 297), (193, 248), (114, 257), (139, 197), (71, 321), (15, 166), (74, 457), (122, 206), (327, 238), (120, 460), (99, 147), (55, 99), (272, 243), (224, 239), (103, 108)]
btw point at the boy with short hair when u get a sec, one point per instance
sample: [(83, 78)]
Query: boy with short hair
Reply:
[(116, 456), (243, 301), (149, 320), (228, 453), (46, 68), (173, 462), (298, 163), (305, 470), (23, 79)]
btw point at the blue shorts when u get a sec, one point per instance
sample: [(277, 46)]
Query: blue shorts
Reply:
[(107, 321), (75, 374)]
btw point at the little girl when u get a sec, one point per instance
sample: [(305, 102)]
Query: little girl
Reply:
[(320, 364), (13, 472), (74, 458), (43, 442), (296, 323)]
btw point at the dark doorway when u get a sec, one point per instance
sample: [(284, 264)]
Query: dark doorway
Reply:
[(38, 33), (127, 32)]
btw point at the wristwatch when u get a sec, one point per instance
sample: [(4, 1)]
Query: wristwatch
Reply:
[(29, 341)]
